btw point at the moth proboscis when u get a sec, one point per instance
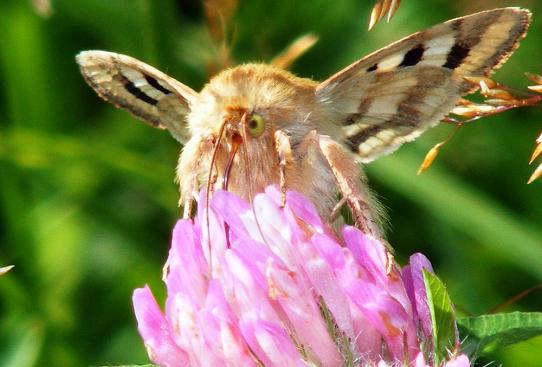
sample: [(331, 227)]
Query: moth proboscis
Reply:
[(305, 135)]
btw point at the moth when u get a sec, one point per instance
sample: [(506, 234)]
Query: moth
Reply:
[(255, 125)]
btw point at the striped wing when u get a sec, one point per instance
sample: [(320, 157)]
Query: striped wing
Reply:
[(146, 92), (394, 94)]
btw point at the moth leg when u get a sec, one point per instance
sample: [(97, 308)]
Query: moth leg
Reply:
[(390, 261), (188, 207), (188, 170), (284, 152), (337, 210), (347, 176)]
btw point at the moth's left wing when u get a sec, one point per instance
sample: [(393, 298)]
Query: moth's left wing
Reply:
[(144, 91), (394, 94)]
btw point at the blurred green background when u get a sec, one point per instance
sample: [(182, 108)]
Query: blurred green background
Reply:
[(87, 197)]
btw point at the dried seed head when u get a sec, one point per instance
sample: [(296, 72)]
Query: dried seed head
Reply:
[(463, 102), (535, 78), (536, 153), (502, 103), (393, 8), (375, 15), (538, 150), (498, 98), (429, 158), (381, 8), (498, 93), (536, 174), (481, 81), (433, 152), (473, 110), (484, 88), (5, 269)]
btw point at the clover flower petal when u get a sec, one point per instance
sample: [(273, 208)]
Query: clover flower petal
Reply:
[(276, 286)]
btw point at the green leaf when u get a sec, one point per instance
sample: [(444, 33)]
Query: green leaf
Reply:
[(442, 316), (486, 333)]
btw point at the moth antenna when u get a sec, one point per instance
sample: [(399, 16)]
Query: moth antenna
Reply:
[(247, 173), (208, 190)]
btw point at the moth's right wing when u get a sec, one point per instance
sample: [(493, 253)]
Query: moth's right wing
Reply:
[(144, 91), (394, 94)]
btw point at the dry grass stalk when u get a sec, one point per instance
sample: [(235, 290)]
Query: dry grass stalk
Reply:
[(297, 48), (218, 13)]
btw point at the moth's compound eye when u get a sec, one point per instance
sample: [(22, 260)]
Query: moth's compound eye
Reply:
[(256, 125)]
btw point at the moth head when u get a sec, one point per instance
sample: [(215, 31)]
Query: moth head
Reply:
[(268, 97), (240, 110)]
